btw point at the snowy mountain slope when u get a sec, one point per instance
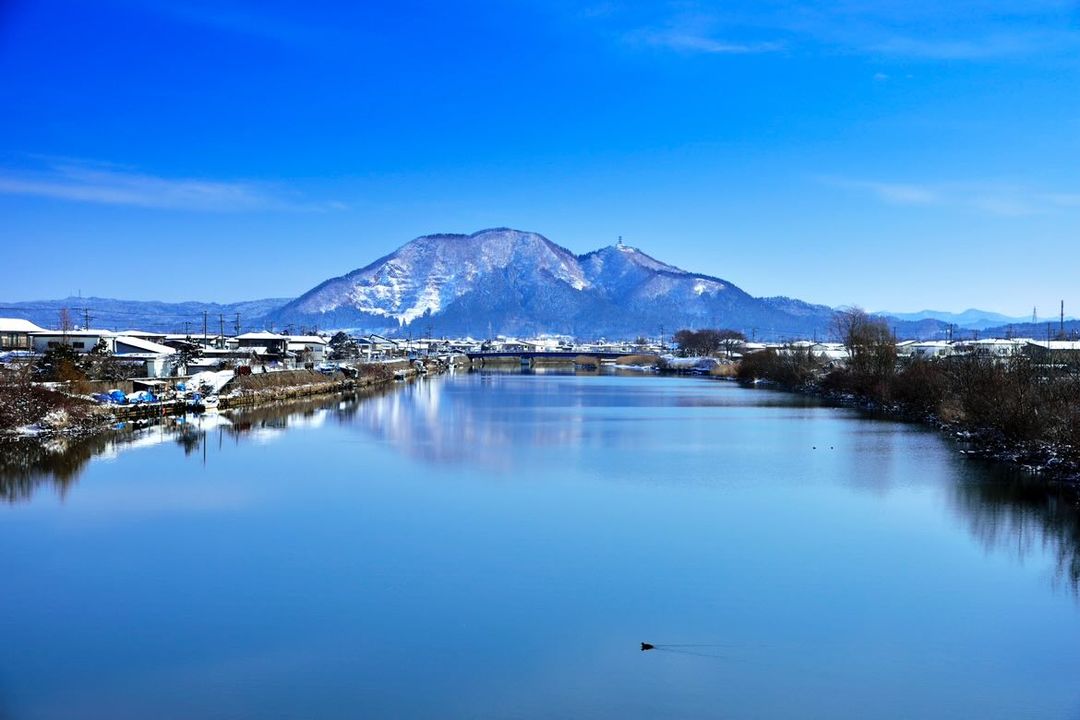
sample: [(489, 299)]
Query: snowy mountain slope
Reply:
[(431, 272), (513, 282)]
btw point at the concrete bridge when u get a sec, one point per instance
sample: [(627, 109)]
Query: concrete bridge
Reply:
[(528, 357)]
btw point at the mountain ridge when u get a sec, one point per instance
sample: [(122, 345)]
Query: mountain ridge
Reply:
[(518, 282), (494, 281)]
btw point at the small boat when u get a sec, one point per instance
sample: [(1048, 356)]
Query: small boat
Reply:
[(210, 403), (400, 374)]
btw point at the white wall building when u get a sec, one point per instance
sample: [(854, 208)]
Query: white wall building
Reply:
[(82, 341)]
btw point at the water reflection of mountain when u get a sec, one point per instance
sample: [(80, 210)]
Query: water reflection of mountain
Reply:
[(422, 421), (486, 420), (1018, 514), (480, 422)]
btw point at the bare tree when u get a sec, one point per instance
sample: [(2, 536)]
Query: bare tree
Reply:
[(869, 342), (64, 321), (708, 341)]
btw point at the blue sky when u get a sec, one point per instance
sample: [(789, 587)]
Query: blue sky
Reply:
[(895, 155)]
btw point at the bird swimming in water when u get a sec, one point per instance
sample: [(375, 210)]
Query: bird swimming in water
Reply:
[(647, 646)]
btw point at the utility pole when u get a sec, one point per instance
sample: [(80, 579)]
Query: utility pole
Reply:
[(236, 326), (221, 331), (661, 338), (204, 317), (1061, 328), (187, 328), (86, 318)]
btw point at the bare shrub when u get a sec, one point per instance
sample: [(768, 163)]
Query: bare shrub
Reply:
[(792, 366)]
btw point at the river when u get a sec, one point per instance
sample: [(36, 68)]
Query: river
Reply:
[(498, 545)]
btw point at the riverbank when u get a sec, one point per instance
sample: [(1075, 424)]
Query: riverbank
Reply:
[(1052, 461), (36, 411)]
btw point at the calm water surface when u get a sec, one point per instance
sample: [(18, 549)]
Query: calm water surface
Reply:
[(497, 546)]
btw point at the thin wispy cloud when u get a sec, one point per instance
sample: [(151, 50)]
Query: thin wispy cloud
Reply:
[(693, 32), (697, 43), (976, 48), (893, 193), (999, 199), (105, 184), (978, 30)]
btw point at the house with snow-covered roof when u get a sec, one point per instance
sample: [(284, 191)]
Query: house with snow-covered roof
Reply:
[(925, 349), (308, 348), (82, 341), (267, 343), (159, 360), (157, 337), (1062, 353), (15, 333)]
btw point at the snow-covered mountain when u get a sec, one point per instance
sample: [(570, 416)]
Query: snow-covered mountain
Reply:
[(513, 282)]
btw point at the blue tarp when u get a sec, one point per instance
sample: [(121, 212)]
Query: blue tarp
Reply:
[(143, 396)]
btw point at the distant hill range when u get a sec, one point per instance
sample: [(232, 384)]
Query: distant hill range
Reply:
[(502, 281), (1052, 330), (968, 320), (150, 315)]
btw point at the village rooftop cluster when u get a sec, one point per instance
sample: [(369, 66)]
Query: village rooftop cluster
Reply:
[(156, 355)]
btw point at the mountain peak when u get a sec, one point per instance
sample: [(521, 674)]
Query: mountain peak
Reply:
[(627, 255), (519, 282)]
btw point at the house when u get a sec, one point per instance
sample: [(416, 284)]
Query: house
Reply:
[(466, 345), (144, 335), (266, 343), (828, 351), (1054, 352), (507, 345), (196, 340), (15, 334), (158, 360), (993, 347), (308, 348), (924, 349), (82, 341), (377, 346)]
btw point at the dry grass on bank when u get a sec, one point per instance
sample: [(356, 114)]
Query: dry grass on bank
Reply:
[(729, 370), (637, 360)]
